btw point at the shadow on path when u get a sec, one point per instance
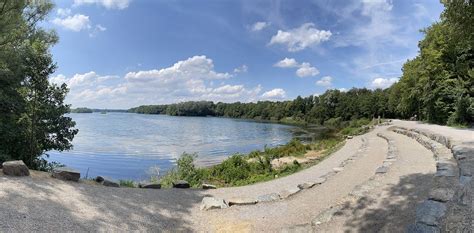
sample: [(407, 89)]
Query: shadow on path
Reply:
[(29, 204), (390, 210)]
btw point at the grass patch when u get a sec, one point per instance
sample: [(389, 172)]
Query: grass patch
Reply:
[(256, 166), (127, 183)]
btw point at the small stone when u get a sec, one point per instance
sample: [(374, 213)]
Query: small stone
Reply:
[(306, 185), (390, 160), (209, 203), (110, 183), (241, 201), (349, 137), (208, 186), (325, 216), (429, 212), (303, 228), (268, 197), (149, 186), (66, 173), (181, 184), (15, 168), (289, 192), (441, 194), (320, 180), (338, 169), (381, 170)]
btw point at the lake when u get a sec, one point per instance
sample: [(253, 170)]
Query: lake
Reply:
[(126, 145)]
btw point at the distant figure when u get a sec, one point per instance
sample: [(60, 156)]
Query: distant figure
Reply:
[(413, 118), (378, 120)]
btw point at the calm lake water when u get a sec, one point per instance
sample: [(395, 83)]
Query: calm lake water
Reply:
[(126, 145)]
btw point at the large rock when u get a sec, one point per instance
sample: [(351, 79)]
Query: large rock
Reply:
[(149, 186), (306, 185), (430, 212), (181, 184), (15, 168), (289, 192), (110, 183), (441, 194), (209, 203), (268, 197), (66, 173)]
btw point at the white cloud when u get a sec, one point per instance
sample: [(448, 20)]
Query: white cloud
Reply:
[(197, 67), (190, 79), (287, 63), (300, 38), (109, 4), (274, 94), (325, 81), (98, 28), (383, 82), (306, 70), (258, 26), (63, 12), (241, 69), (75, 23)]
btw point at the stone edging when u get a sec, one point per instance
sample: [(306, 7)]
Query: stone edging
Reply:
[(447, 207), (210, 202)]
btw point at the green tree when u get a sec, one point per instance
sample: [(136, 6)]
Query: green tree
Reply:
[(32, 110)]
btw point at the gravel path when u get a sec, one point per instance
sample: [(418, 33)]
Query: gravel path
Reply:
[(40, 203)]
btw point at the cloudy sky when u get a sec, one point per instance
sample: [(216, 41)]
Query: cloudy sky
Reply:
[(125, 53)]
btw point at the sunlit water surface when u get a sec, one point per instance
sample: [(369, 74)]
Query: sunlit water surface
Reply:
[(126, 145)]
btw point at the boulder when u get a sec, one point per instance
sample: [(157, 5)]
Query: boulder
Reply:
[(320, 180), (110, 183), (209, 203), (268, 197), (15, 168), (306, 185), (241, 201), (430, 212), (149, 186), (289, 192), (441, 194), (66, 173), (208, 186), (181, 184), (381, 170), (99, 179)]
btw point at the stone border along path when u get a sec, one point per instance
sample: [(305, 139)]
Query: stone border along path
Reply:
[(449, 206), (210, 202), (360, 190)]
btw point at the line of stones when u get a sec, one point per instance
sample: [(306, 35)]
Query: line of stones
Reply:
[(361, 190), (210, 202), (449, 205)]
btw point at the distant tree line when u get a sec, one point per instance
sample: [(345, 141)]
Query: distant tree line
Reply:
[(437, 86), (81, 110)]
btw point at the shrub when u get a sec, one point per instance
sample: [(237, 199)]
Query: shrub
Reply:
[(232, 169), (127, 183)]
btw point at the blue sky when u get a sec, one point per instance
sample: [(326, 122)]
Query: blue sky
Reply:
[(124, 53)]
